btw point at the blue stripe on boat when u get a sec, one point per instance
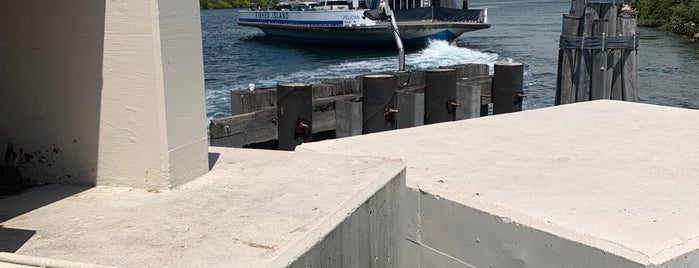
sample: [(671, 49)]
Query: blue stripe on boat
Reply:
[(296, 22)]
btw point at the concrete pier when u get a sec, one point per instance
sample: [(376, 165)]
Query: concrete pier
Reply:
[(248, 211), (593, 184), (597, 184)]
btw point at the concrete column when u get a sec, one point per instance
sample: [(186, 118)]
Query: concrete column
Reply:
[(153, 118), (102, 92)]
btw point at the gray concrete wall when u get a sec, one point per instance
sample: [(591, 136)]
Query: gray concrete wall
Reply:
[(51, 81), (445, 233), (370, 237)]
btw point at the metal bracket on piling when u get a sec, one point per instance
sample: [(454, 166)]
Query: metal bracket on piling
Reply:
[(302, 127), (389, 111), (452, 105)]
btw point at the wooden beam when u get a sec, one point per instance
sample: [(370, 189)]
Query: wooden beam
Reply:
[(239, 130)]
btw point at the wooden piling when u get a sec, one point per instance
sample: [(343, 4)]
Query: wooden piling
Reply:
[(294, 115), (348, 118), (565, 90), (585, 58), (599, 89), (411, 107), (289, 114), (508, 91), (468, 94), (378, 103), (602, 47), (630, 74), (440, 95)]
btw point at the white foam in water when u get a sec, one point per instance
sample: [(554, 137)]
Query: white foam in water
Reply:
[(436, 54), (442, 53)]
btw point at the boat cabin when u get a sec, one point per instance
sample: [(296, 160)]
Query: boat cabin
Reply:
[(332, 5)]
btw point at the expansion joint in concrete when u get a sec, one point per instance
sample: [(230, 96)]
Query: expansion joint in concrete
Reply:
[(439, 252)]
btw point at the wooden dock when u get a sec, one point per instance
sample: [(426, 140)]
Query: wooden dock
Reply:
[(289, 114)]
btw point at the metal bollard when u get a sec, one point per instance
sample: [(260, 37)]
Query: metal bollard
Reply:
[(379, 103), (294, 115), (440, 96), (508, 93)]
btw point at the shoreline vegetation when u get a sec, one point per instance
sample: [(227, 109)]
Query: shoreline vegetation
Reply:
[(219, 4), (677, 16)]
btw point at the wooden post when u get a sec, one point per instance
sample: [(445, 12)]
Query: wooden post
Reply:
[(630, 74), (440, 95), (613, 79), (468, 94), (508, 90), (599, 89), (378, 103), (577, 8), (582, 75), (486, 83), (412, 109), (348, 118), (565, 89), (294, 114)]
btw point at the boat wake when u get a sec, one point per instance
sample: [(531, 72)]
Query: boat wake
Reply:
[(441, 53), (437, 53)]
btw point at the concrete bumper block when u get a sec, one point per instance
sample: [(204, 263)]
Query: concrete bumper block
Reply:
[(253, 209), (594, 184)]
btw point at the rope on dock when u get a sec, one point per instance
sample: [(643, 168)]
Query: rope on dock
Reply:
[(599, 42)]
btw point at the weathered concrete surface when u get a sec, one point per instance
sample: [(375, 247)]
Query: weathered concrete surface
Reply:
[(152, 125), (102, 92), (594, 184), (253, 209)]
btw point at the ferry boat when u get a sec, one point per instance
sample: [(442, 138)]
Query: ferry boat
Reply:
[(339, 22)]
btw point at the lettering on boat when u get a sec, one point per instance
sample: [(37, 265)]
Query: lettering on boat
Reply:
[(272, 15), (351, 19)]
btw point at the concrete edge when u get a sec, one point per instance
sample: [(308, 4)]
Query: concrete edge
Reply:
[(528, 221), (30, 261), (323, 229)]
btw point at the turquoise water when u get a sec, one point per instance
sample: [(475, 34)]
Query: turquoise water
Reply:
[(522, 31)]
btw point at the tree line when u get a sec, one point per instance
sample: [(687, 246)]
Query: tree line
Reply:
[(216, 4), (678, 16)]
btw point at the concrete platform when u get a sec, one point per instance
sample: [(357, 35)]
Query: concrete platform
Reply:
[(595, 184), (253, 209)]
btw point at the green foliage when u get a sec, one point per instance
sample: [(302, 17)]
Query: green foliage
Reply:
[(679, 16), (216, 4)]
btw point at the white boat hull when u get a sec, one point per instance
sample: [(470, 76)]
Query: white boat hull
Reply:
[(349, 28)]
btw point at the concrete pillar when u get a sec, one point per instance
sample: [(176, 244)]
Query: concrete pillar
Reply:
[(102, 92)]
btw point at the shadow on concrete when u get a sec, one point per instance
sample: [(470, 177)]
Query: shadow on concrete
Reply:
[(35, 198), (12, 239), (51, 78), (17, 205), (213, 157)]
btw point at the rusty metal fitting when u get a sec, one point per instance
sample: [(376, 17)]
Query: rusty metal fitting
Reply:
[(389, 111)]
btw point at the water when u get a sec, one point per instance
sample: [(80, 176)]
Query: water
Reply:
[(525, 31)]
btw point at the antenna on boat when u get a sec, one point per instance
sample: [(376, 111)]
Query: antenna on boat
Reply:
[(387, 13)]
